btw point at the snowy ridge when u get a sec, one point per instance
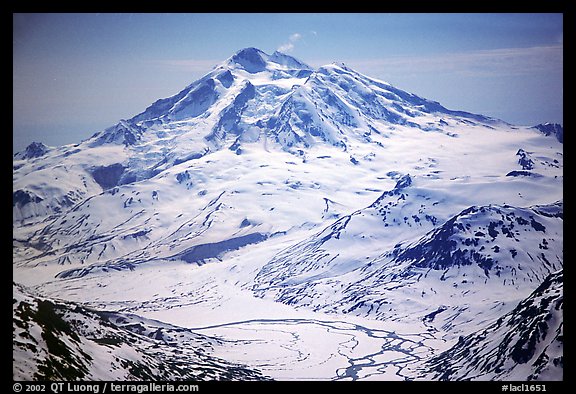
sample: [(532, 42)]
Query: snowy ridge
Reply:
[(554, 129), (269, 196), (64, 341), (524, 344), (473, 255), (478, 235)]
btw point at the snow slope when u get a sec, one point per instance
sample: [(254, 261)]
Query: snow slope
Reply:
[(64, 341), (525, 344), (268, 193)]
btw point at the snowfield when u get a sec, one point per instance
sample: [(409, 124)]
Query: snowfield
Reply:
[(292, 224)]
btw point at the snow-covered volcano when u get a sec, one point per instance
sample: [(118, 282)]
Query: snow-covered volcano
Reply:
[(269, 192)]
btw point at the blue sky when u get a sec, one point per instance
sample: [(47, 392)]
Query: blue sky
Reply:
[(75, 74)]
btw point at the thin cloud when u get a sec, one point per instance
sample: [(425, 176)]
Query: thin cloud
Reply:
[(295, 37), (493, 62), (289, 46), (192, 65)]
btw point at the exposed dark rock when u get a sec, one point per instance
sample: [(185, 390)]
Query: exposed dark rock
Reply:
[(23, 197), (554, 129), (108, 176)]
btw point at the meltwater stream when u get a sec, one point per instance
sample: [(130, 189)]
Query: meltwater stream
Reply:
[(333, 350)]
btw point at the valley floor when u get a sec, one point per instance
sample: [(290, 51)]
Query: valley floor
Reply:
[(282, 342)]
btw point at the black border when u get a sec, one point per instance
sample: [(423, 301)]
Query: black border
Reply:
[(375, 6), (251, 6)]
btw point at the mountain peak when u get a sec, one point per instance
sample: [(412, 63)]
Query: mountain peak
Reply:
[(35, 149), (250, 59), (254, 60)]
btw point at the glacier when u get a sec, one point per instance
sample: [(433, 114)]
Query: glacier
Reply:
[(298, 223)]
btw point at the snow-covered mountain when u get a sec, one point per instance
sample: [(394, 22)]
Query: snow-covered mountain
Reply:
[(323, 191), (250, 97), (448, 274)]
